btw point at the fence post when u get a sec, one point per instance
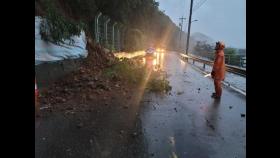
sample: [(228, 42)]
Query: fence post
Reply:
[(97, 27), (118, 39), (123, 30), (106, 31), (113, 36)]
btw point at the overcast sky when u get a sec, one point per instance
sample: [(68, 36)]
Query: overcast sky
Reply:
[(219, 19)]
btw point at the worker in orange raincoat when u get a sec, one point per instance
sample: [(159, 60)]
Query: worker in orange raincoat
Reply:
[(218, 71)]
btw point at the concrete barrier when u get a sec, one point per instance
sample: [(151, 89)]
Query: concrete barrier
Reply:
[(47, 73)]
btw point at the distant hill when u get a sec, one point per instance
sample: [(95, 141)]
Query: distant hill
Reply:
[(200, 37), (197, 36)]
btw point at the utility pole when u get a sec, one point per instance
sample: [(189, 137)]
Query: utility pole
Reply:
[(181, 25), (189, 26)]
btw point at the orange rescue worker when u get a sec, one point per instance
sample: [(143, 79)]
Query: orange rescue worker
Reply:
[(218, 71)]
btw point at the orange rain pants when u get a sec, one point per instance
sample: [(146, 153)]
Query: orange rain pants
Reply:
[(218, 71)]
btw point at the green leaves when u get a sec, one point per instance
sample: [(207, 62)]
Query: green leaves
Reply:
[(55, 28), (159, 85), (127, 69)]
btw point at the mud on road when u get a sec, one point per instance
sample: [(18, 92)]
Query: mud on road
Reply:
[(87, 114), (103, 124)]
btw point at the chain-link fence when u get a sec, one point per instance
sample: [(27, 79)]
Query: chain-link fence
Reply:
[(108, 33)]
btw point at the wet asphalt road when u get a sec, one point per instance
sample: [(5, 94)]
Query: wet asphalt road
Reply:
[(189, 123), (231, 78)]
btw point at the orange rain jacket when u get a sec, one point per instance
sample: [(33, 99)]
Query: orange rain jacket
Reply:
[(219, 66)]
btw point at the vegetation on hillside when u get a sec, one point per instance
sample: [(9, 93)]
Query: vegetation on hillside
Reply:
[(205, 50), (145, 23)]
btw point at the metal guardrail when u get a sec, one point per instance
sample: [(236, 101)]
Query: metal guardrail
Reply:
[(229, 68)]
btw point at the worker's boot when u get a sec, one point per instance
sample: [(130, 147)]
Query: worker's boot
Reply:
[(215, 96)]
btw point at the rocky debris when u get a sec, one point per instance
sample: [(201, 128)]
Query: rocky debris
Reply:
[(80, 125), (180, 92), (69, 108), (134, 134), (95, 78), (90, 97), (91, 84), (82, 85), (209, 124), (101, 86), (87, 78), (122, 132), (98, 92), (91, 141)]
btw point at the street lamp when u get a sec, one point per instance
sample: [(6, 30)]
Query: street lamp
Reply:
[(194, 20)]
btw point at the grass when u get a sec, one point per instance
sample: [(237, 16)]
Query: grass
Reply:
[(125, 69), (159, 85), (133, 72)]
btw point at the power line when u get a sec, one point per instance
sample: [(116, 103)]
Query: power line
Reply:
[(198, 5)]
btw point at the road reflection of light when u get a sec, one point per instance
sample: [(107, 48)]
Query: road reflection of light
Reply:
[(158, 56), (144, 60), (129, 55), (154, 62), (182, 63), (161, 61)]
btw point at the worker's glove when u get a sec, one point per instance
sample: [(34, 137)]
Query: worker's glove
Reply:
[(212, 74)]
